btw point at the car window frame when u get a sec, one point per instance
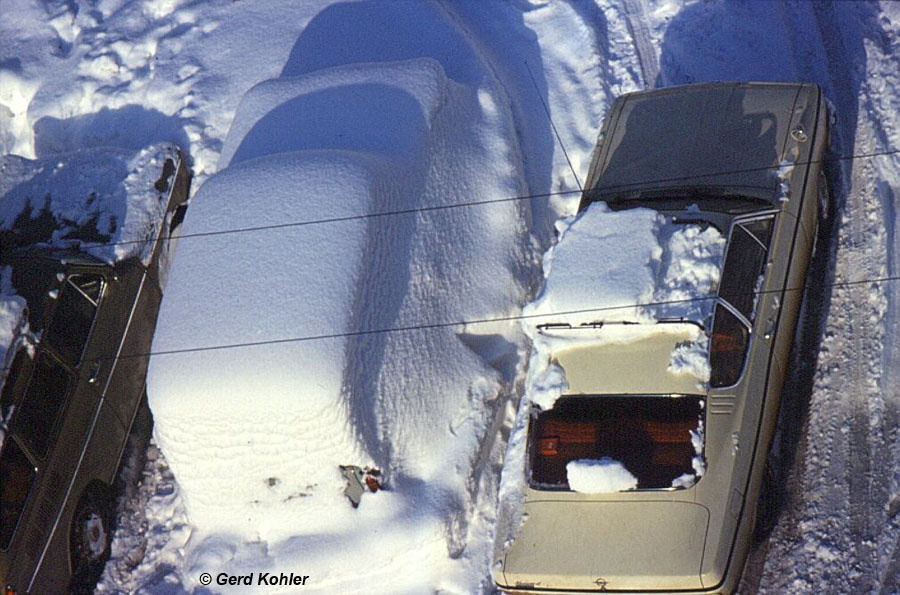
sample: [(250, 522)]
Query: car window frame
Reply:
[(748, 324), (76, 365)]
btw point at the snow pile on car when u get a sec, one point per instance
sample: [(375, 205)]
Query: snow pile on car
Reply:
[(271, 369), (599, 476), (106, 202), (634, 266)]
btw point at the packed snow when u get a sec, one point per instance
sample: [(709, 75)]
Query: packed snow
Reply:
[(434, 410), (600, 476), (288, 414), (633, 266), (102, 201)]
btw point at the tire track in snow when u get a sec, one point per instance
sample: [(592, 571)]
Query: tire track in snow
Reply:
[(637, 25), (864, 253), (614, 27), (839, 491)]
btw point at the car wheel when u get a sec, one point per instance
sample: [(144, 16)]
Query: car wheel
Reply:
[(90, 538)]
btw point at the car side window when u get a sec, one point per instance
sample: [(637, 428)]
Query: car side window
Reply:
[(6, 395), (728, 347), (74, 315), (739, 286), (43, 403), (18, 476), (744, 264)]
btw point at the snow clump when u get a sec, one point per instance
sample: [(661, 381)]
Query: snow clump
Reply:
[(599, 476)]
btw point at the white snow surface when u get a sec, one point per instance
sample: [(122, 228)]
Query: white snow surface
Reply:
[(633, 265), (599, 476), (314, 395), (130, 73), (108, 193)]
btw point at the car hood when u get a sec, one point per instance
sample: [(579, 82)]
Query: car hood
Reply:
[(724, 136), (614, 545)]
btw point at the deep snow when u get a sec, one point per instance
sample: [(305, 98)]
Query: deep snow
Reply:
[(127, 73)]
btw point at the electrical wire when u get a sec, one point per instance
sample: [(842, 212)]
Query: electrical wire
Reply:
[(599, 191), (476, 321)]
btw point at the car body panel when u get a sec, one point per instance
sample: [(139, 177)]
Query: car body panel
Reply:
[(635, 366), (617, 533)]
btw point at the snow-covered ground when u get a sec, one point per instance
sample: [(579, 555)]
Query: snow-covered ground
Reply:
[(391, 106)]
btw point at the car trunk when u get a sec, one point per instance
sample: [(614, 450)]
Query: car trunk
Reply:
[(631, 546)]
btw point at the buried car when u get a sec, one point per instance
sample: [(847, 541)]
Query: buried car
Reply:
[(81, 296), (642, 465)]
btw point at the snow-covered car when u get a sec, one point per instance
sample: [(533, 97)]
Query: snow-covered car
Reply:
[(80, 300), (644, 433)]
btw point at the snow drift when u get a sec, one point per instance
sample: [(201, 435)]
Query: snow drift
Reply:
[(255, 434)]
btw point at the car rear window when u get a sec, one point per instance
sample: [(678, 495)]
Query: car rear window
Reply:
[(649, 435), (17, 474)]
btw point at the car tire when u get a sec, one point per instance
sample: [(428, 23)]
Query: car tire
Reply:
[(90, 538)]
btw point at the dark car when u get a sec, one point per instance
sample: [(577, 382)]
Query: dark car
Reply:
[(75, 384)]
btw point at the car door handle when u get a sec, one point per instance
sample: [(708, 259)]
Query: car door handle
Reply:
[(94, 373), (771, 324)]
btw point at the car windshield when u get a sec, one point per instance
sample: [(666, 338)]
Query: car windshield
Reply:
[(655, 438)]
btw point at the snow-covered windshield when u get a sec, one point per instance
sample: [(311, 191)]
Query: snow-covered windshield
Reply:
[(705, 200)]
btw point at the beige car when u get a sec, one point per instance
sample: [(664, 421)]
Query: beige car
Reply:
[(707, 153)]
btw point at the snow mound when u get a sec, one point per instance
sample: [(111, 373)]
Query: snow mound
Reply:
[(255, 434), (599, 476), (385, 110), (633, 266), (273, 413), (601, 268), (102, 201)]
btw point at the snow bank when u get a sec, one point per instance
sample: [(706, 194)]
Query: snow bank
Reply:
[(102, 201), (590, 476), (255, 435)]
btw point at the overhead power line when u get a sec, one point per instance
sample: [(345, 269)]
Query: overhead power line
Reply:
[(476, 321), (600, 190)]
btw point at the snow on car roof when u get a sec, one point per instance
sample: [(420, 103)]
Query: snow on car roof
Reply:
[(224, 290), (634, 266)]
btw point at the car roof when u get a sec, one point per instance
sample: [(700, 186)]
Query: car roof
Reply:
[(728, 137)]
